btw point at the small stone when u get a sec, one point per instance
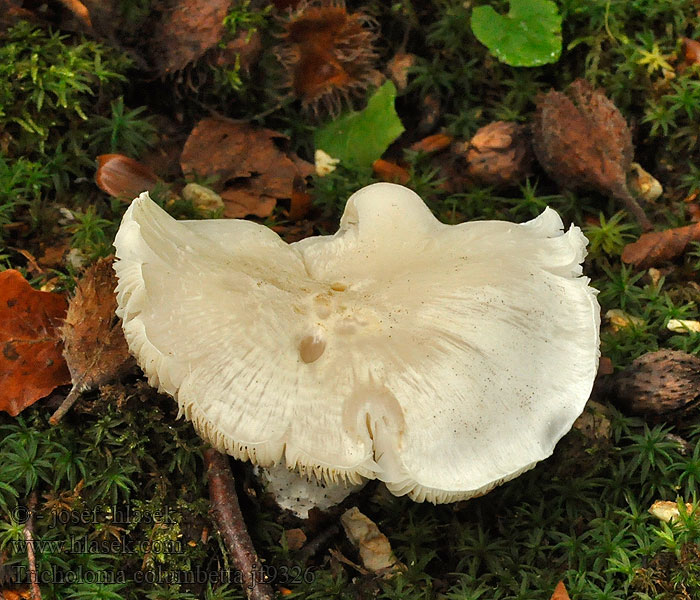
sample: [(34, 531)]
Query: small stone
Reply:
[(202, 197)]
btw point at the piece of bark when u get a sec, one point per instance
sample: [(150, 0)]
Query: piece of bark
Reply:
[(659, 246), (582, 141), (229, 521), (94, 344), (664, 382)]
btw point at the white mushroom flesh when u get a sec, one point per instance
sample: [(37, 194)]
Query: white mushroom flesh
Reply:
[(442, 360)]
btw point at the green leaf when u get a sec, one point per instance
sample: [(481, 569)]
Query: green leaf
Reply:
[(360, 138), (528, 36)]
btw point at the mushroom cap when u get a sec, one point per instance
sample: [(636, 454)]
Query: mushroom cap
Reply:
[(440, 359)]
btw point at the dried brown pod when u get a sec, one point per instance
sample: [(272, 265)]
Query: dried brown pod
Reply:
[(93, 341), (328, 54), (499, 154), (582, 141), (658, 383)]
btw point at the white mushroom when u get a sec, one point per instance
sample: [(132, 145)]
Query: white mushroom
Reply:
[(442, 360)]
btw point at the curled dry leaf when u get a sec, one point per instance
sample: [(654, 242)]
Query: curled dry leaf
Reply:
[(433, 143), (658, 383), (397, 69), (667, 511), (691, 52), (499, 154), (374, 548), (252, 173), (186, 32), (582, 141), (94, 344), (123, 177), (31, 364), (659, 246)]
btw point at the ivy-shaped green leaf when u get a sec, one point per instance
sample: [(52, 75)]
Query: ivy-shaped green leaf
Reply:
[(360, 138), (528, 36)]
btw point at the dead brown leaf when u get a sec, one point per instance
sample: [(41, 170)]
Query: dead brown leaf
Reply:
[(691, 52), (582, 141), (123, 177), (186, 32), (499, 154), (433, 143), (31, 364), (390, 171), (560, 592), (659, 246), (251, 169), (95, 347), (658, 383)]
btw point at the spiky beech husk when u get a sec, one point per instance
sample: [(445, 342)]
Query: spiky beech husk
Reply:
[(328, 54)]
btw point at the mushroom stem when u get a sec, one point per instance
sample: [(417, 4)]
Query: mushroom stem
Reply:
[(229, 520)]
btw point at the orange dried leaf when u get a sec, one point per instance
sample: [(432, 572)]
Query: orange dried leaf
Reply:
[(123, 177), (691, 52), (31, 364), (250, 169), (432, 143), (560, 592), (659, 246), (389, 171)]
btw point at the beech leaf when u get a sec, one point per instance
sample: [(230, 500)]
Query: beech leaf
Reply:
[(31, 364)]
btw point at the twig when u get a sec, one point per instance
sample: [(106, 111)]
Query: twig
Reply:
[(636, 210), (69, 401), (316, 544), (229, 521), (29, 539)]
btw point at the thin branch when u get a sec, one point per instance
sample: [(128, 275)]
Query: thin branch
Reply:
[(69, 401), (31, 557), (229, 521)]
